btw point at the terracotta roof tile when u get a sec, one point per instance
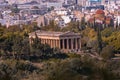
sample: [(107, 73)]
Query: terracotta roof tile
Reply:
[(99, 11)]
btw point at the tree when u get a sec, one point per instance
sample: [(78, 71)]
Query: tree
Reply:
[(26, 48), (17, 46), (76, 69), (72, 26), (99, 37), (107, 52), (113, 40), (7, 43), (15, 9), (107, 32), (89, 39), (83, 23), (2, 29), (35, 45)]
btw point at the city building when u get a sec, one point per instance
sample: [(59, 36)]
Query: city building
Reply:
[(2, 1), (66, 41), (56, 5), (106, 20)]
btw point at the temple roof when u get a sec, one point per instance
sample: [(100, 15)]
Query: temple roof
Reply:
[(53, 34)]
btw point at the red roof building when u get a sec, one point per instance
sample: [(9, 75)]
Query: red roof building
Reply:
[(100, 11)]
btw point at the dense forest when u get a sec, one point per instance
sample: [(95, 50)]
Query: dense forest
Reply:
[(20, 60)]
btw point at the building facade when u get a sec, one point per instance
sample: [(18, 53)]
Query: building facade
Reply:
[(66, 41)]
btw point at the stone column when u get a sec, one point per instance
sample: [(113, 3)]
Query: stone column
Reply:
[(51, 43), (48, 42), (76, 43), (58, 42), (42, 41), (54, 43), (71, 43), (67, 43), (45, 41), (80, 45)]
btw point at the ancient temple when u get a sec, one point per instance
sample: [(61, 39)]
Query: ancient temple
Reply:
[(66, 41)]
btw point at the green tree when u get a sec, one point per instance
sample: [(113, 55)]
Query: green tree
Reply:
[(72, 26), (99, 38), (7, 43), (113, 40), (83, 23), (15, 9), (107, 52), (17, 46), (107, 32), (76, 69), (36, 46), (26, 48)]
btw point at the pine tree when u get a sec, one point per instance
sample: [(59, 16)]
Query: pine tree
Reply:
[(99, 38)]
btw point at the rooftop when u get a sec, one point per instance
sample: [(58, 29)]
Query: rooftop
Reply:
[(53, 34), (100, 11)]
